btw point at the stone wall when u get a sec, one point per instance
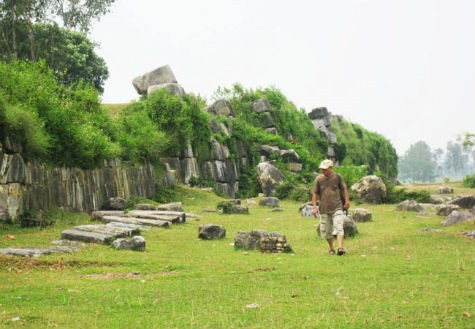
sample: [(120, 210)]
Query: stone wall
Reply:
[(31, 186)]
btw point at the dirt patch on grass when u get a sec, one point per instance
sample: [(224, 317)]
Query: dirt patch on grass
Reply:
[(15, 263), (110, 276)]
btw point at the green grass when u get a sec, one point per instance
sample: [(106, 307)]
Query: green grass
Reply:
[(393, 276)]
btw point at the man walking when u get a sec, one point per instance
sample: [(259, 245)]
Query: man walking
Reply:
[(329, 189)]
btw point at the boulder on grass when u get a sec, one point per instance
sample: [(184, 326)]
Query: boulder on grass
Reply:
[(211, 232), (137, 243)]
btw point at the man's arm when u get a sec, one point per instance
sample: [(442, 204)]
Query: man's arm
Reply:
[(347, 197), (315, 198)]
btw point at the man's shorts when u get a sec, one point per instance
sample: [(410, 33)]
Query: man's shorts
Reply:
[(332, 224)]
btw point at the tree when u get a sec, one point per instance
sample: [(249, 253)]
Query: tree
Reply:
[(21, 37), (417, 164), (70, 55), (455, 159)]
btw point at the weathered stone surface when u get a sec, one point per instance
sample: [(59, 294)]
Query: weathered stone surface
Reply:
[(219, 151), (75, 189), (272, 130), (463, 201), (371, 189), (136, 243), (306, 210), (445, 190), (221, 107), (269, 202), (318, 112), (96, 233), (229, 189), (269, 177), (189, 169), (410, 205), (145, 206), (173, 88), (446, 209), (249, 240), (114, 203), (289, 155), (137, 221), (362, 215), (438, 199), (261, 105), (211, 232), (36, 252), (170, 216), (457, 216), (12, 168), (163, 74), (98, 214), (171, 206), (267, 242), (268, 150)]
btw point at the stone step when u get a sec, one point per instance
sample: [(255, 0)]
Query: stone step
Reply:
[(97, 233), (171, 216), (137, 221)]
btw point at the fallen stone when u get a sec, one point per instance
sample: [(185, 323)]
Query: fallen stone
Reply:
[(211, 232), (137, 243)]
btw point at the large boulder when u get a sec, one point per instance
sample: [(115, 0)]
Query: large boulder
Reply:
[(261, 105), (457, 216), (271, 201), (115, 203), (221, 107), (161, 75), (137, 243), (268, 150), (361, 215), (289, 155), (446, 209), (370, 189), (410, 205), (211, 232), (463, 201), (173, 88), (269, 177)]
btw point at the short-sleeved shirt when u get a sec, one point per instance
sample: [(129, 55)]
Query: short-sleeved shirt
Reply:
[(329, 193)]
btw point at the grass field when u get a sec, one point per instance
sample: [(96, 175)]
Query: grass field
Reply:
[(393, 276)]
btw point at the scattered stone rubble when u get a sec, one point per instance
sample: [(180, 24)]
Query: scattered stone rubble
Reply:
[(273, 242)]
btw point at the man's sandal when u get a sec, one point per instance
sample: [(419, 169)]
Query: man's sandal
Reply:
[(331, 252), (341, 251)]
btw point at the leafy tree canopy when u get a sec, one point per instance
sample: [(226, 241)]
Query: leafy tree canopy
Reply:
[(29, 30), (418, 164)]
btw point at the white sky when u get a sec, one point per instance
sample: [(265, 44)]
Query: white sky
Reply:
[(402, 68)]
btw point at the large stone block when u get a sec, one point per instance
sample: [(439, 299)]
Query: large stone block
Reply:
[(163, 74)]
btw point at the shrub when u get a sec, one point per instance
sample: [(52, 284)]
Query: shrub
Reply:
[(469, 181)]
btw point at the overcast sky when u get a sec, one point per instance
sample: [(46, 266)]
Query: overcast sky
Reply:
[(402, 68)]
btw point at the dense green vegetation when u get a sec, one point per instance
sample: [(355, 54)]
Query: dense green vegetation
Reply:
[(66, 125), (30, 31), (394, 275), (362, 147)]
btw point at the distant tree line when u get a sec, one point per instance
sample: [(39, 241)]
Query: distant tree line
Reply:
[(421, 164)]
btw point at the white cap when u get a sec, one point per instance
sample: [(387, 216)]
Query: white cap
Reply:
[(325, 164)]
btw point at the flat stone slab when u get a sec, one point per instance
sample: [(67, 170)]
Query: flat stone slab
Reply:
[(137, 221), (35, 252), (104, 234)]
